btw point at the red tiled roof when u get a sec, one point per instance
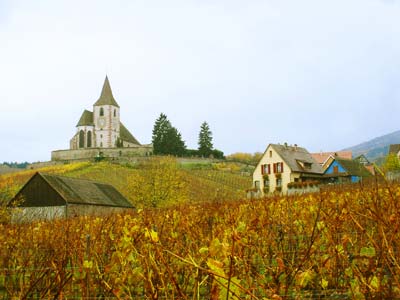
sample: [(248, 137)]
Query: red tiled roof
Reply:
[(371, 169), (321, 157)]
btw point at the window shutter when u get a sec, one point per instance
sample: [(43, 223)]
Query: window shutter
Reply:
[(274, 168), (269, 169), (262, 169), (282, 167)]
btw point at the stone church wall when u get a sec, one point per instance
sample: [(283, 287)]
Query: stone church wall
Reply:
[(106, 136), (91, 153)]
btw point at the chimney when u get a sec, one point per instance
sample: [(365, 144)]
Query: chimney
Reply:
[(295, 147)]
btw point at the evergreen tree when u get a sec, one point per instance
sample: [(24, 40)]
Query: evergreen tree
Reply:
[(160, 131), (176, 146), (205, 140), (166, 138)]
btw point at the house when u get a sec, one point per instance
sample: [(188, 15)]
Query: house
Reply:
[(342, 170), (362, 159), (392, 163), (325, 158), (283, 166), (47, 196), (394, 149)]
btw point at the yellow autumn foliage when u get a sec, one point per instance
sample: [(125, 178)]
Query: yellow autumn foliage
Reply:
[(160, 183)]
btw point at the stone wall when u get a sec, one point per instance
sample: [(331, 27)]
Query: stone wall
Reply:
[(75, 210), (304, 190), (30, 214), (91, 153), (44, 164)]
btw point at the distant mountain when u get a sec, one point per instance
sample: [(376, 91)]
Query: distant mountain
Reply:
[(376, 148)]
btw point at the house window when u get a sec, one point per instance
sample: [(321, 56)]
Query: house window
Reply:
[(279, 182), (270, 153), (278, 167), (335, 169), (266, 183), (307, 165), (115, 112), (265, 169), (101, 111)]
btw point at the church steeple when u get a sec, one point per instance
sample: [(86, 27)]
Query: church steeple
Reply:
[(106, 97)]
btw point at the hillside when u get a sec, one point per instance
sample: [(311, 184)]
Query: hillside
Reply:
[(313, 246), (205, 182), (376, 148), (6, 169)]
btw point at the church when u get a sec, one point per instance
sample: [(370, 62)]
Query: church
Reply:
[(101, 130)]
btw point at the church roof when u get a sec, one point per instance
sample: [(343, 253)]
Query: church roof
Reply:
[(86, 119), (106, 97), (126, 136)]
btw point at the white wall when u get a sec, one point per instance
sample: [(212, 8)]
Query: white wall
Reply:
[(107, 135), (271, 157)]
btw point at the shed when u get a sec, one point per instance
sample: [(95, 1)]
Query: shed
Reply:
[(47, 196)]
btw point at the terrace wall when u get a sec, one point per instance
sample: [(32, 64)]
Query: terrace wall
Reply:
[(91, 153)]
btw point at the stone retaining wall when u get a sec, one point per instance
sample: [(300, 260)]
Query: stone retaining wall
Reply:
[(91, 153)]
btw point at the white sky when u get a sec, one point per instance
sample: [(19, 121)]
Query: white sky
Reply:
[(322, 74)]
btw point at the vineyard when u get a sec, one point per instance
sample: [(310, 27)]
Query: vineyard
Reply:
[(203, 183), (337, 244)]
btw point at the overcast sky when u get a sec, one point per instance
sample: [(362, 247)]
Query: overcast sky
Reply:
[(322, 74)]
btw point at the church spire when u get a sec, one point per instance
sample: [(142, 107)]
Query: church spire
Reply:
[(106, 97)]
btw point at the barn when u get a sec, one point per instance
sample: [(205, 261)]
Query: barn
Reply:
[(47, 197)]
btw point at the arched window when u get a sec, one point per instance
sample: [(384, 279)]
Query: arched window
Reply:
[(101, 111), (89, 139), (115, 112), (81, 139)]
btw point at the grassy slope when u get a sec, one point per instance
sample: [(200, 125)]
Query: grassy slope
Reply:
[(205, 182)]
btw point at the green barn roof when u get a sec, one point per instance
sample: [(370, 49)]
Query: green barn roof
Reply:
[(72, 191), (106, 97)]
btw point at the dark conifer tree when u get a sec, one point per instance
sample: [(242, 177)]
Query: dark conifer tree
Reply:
[(205, 140), (160, 132), (166, 138)]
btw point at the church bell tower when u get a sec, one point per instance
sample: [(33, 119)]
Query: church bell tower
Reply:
[(106, 119)]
